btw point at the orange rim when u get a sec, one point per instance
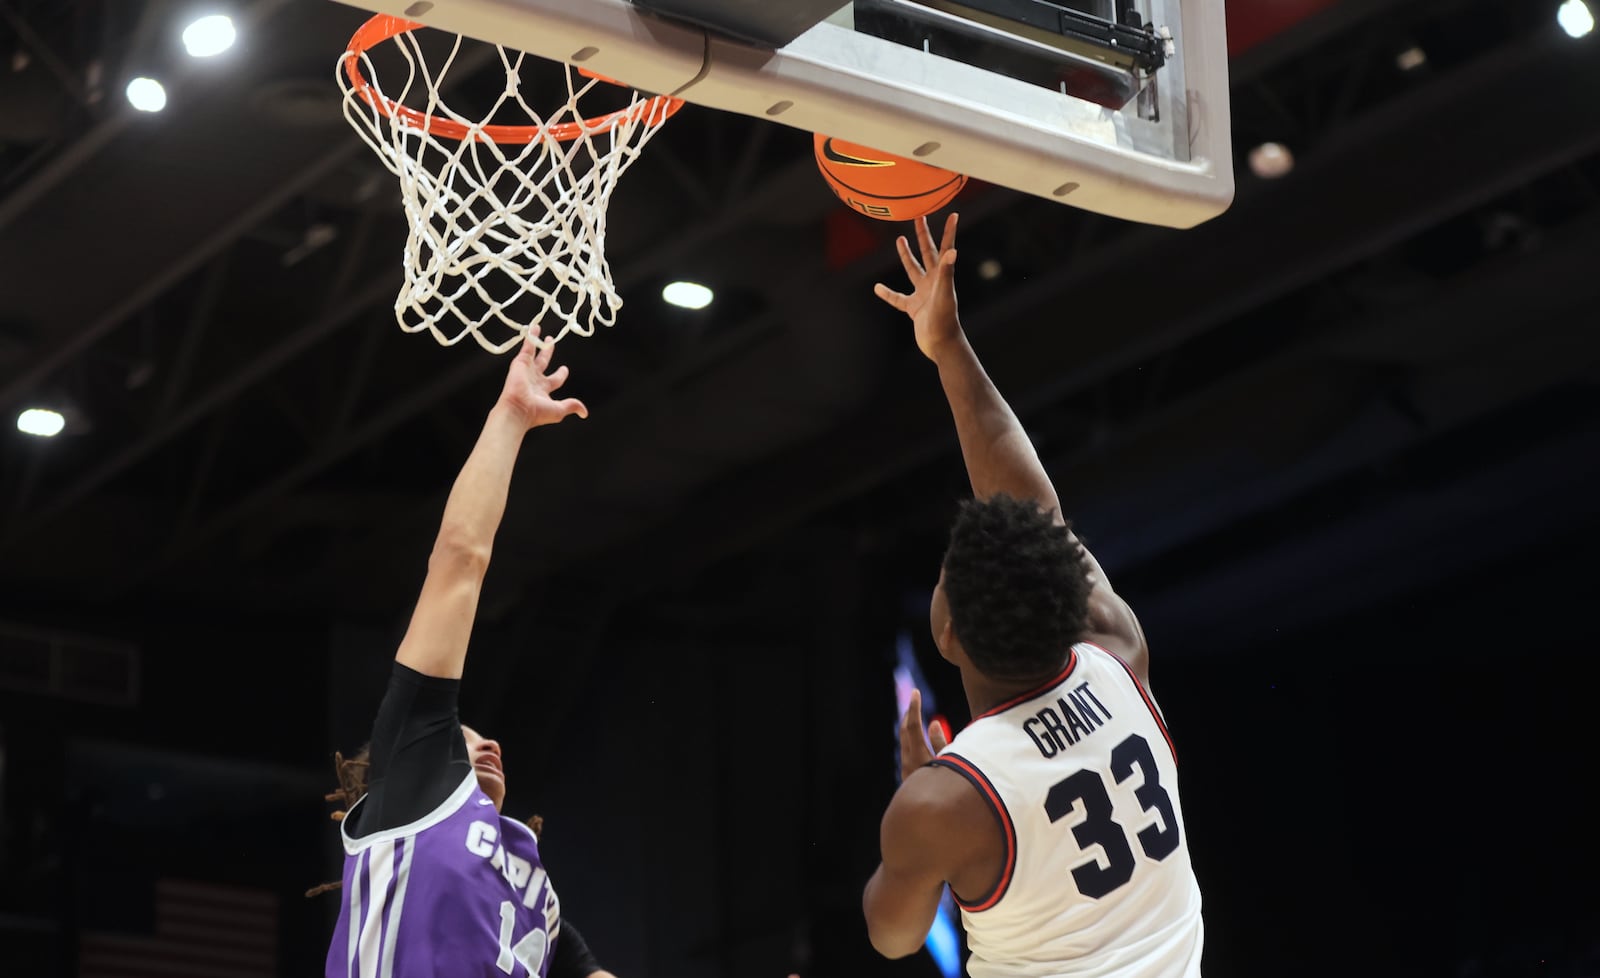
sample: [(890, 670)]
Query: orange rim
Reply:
[(383, 27)]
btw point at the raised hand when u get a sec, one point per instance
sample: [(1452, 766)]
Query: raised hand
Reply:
[(529, 390), (914, 750), (932, 301)]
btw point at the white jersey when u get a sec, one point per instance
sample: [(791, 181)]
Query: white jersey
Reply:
[(1083, 780)]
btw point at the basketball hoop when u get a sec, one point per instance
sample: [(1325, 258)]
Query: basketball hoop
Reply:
[(506, 223)]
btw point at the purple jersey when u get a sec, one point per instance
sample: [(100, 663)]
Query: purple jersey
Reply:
[(459, 892)]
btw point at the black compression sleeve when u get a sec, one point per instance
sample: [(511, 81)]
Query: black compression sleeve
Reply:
[(418, 754), (572, 957)]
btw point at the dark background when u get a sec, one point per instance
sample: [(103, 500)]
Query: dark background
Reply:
[(1338, 447)]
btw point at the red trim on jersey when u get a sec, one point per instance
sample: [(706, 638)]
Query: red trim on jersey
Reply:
[(968, 770), (1036, 692), (1143, 694)]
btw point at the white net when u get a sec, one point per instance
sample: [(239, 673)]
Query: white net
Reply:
[(506, 221)]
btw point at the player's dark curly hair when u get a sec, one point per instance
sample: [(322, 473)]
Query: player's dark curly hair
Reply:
[(1018, 587), (352, 776)]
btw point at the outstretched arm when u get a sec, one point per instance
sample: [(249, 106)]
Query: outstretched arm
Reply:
[(1000, 457), (435, 643)]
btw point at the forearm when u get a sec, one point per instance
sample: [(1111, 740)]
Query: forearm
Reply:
[(999, 456), (477, 501), (435, 644)]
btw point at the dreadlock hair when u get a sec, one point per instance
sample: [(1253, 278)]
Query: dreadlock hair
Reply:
[(352, 777), (351, 774), (1018, 587)]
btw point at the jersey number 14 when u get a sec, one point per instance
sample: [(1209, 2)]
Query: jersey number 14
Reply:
[(529, 952), (1099, 828)]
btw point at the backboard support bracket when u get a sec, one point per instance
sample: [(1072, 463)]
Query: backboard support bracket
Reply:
[(766, 23)]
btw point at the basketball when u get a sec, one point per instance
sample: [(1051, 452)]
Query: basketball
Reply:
[(881, 185)]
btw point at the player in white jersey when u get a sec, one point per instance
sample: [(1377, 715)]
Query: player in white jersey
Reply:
[(1054, 816)]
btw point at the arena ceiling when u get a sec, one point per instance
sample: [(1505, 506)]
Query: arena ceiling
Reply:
[(207, 290)]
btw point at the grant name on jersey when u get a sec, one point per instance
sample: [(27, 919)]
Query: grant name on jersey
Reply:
[(1074, 716)]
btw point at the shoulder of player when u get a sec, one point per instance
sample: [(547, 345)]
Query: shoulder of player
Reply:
[(939, 808)]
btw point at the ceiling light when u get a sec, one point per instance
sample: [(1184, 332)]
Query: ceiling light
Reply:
[(990, 269), (41, 422), (688, 295), (1575, 18), (1271, 161), (209, 36), (147, 95), (1411, 59)]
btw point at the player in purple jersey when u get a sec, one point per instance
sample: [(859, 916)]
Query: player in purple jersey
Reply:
[(436, 881)]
